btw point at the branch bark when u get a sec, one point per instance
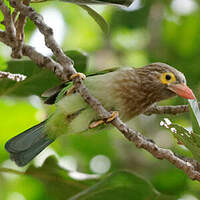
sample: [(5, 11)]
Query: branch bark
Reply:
[(14, 77), (63, 68), (171, 110)]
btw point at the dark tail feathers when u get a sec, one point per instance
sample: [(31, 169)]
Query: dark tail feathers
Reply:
[(25, 146)]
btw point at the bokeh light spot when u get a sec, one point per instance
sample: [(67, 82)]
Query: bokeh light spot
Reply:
[(100, 164), (15, 196), (184, 7), (68, 163)]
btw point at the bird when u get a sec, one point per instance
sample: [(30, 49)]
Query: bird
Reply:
[(127, 92)]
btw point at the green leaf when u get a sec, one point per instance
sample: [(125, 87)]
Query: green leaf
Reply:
[(183, 135), (118, 2), (195, 115), (170, 181), (37, 80), (188, 139), (191, 140), (56, 179), (98, 18), (119, 185), (80, 60)]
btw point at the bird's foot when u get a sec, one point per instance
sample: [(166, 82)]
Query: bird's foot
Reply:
[(96, 123), (78, 74), (114, 115), (73, 76), (70, 91)]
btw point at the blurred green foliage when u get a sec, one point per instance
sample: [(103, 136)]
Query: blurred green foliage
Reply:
[(154, 31)]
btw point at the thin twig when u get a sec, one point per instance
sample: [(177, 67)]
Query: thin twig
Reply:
[(8, 21), (14, 77), (10, 30), (13, 171), (20, 24)]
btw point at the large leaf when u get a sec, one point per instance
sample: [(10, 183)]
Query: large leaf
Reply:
[(36, 82), (98, 18), (191, 140), (38, 79), (83, 2), (56, 179), (170, 181), (188, 139), (119, 185), (195, 115)]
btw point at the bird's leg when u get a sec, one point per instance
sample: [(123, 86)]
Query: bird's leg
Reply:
[(96, 123), (78, 74), (72, 89), (114, 115)]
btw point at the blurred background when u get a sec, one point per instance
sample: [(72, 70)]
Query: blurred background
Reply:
[(148, 31)]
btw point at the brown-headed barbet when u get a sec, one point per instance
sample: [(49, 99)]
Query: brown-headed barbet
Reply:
[(128, 91)]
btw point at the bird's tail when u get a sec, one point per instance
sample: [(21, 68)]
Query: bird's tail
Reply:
[(25, 146)]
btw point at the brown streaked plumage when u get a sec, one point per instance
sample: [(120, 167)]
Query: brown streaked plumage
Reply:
[(129, 91)]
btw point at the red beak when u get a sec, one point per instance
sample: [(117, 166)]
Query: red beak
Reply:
[(182, 90)]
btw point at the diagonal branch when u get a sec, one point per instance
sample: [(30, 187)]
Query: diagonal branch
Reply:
[(63, 68)]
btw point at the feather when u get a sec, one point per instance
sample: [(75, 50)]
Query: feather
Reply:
[(25, 146)]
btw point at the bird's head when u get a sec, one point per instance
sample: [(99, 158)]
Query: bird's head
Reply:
[(164, 81)]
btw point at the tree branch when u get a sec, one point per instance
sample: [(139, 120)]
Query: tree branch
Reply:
[(172, 110), (14, 77), (13, 171), (63, 68), (10, 30)]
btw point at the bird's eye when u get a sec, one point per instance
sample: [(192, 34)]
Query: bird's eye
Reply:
[(167, 77)]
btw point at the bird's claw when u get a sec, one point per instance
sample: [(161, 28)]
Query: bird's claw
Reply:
[(73, 76), (96, 123), (78, 74), (70, 91), (114, 115)]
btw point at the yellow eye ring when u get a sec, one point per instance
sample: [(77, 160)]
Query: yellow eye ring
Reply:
[(167, 77)]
